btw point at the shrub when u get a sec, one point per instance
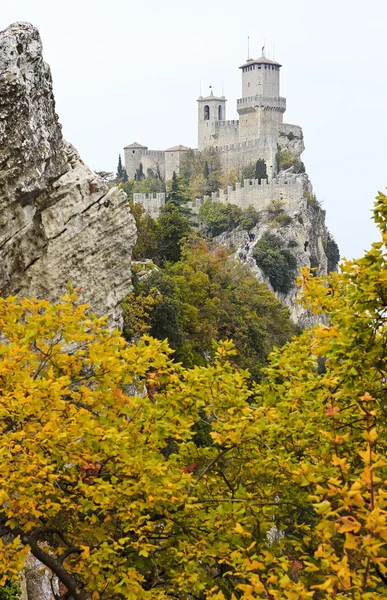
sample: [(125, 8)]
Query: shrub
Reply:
[(286, 159), (276, 207), (219, 217), (311, 200), (249, 218), (333, 253), (10, 591), (282, 220), (277, 263)]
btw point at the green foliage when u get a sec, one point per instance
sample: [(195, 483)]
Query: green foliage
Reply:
[(311, 200), (133, 477), (260, 170), (139, 175), (249, 218), (177, 193), (148, 234), (173, 227), (333, 253), (219, 217), (276, 207), (286, 159), (10, 591), (202, 172), (291, 136), (277, 262), (204, 297), (120, 169), (281, 220)]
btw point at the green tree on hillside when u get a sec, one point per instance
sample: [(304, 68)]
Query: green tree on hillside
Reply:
[(120, 169), (260, 170), (277, 262), (205, 297)]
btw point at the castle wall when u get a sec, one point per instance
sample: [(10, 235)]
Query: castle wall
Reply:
[(251, 193), (152, 203), (173, 160), (261, 195), (237, 156), (150, 159), (153, 160)]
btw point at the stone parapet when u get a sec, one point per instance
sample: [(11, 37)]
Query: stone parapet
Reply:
[(278, 103), (260, 195)]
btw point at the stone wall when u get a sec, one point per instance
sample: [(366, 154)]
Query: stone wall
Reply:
[(290, 191), (151, 203)]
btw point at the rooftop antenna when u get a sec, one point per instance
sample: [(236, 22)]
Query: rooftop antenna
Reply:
[(248, 47)]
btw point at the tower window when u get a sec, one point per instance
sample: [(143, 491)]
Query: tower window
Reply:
[(206, 112), (220, 116)]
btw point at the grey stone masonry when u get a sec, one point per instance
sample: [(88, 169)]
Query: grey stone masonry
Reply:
[(258, 133)]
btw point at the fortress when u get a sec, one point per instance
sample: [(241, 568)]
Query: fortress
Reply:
[(258, 134)]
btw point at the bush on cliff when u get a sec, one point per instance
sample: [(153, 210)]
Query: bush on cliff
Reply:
[(277, 262)]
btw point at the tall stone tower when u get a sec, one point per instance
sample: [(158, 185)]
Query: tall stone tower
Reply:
[(211, 111), (261, 108)]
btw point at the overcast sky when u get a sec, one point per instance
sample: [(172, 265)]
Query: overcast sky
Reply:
[(128, 71)]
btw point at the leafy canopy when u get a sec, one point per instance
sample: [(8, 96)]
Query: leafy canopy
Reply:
[(205, 297), (103, 480), (277, 262)]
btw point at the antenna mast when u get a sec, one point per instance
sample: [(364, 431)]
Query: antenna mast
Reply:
[(248, 47)]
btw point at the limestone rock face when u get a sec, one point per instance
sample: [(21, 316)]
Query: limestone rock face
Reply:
[(305, 235), (59, 222)]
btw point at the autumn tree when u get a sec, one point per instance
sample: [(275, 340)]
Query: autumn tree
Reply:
[(103, 481)]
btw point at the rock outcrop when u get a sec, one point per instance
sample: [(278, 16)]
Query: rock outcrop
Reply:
[(59, 222), (300, 226)]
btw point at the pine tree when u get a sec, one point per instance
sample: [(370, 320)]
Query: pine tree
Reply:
[(260, 170), (139, 176), (119, 168)]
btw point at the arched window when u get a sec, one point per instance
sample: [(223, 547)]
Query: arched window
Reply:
[(206, 112), (220, 116)]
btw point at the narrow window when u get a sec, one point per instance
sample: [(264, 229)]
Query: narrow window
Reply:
[(220, 116), (206, 112)]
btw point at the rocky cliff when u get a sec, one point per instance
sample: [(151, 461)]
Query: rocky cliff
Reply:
[(59, 222), (299, 226)]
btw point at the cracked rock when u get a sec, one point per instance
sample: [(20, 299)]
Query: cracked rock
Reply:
[(59, 222)]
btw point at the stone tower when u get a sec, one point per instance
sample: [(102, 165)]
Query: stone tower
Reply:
[(211, 111), (133, 157), (261, 108)]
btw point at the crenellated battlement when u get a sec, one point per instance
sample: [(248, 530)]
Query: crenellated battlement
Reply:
[(231, 123), (259, 194), (262, 101)]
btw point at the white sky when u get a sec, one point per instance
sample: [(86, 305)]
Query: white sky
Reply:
[(128, 71)]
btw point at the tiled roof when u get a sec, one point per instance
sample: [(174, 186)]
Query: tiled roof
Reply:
[(135, 145), (262, 60)]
